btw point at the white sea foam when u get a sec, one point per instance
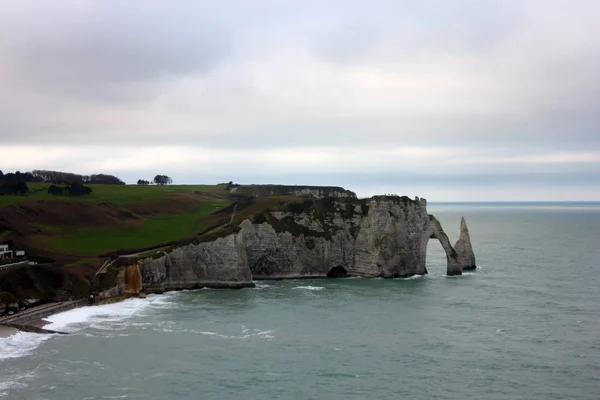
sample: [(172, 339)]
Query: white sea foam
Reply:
[(20, 344), (257, 333), (245, 333), (96, 316), (13, 381), (310, 287), (103, 317), (412, 277), (261, 285)]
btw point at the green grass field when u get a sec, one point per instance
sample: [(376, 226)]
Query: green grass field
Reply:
[(155, 230), (117, 194)]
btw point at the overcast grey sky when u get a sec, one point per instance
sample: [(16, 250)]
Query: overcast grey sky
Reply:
[(448, 100)]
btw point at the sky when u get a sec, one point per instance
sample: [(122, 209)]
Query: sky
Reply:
[(448, 100)]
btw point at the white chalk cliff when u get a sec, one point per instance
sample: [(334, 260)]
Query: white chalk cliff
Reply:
[(384, 236)]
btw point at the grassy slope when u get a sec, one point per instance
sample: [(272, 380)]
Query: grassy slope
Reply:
[(154, 230)]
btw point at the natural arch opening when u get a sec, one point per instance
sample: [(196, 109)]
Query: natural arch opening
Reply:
[(337, 272), (435, 258)]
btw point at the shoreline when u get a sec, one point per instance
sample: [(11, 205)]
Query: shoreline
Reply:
[(38, 324), (7, 331)]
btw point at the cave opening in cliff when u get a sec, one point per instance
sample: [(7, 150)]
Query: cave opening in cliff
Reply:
[(337, 272)]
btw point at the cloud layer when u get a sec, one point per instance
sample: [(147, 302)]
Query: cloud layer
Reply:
[(462, 96)]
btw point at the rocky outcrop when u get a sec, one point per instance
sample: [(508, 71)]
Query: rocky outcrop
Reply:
[(384, 236), (454, 266), (218, 264), (129, 283), (464, 249)]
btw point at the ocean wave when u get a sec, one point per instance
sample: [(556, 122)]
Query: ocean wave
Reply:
[(260, 285), (96, 316), (245, 333), (107, 317), (14, 381), (257, 333), (310, 287), (412, 277), (20, 344)]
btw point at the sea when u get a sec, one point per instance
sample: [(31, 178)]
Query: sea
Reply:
[(524, 325)]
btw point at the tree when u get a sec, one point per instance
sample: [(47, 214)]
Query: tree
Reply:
[(162, 180), (143, 182), (77, 189), (105, 179), (14, 187), (67, 178), (230, 185), (55, 190)]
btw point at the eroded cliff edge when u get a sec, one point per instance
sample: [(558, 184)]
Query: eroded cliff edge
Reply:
[(383, 236)]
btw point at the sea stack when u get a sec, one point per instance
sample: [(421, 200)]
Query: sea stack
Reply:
[(464, 249)]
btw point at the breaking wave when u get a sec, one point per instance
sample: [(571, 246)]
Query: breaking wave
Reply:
[(261, 285), (310, 287), (20, 344), (102, 317)]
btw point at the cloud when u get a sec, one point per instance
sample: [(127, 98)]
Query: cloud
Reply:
[(302, 87)]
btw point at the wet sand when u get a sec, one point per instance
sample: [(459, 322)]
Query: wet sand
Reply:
[(38, 323), (6, 331)]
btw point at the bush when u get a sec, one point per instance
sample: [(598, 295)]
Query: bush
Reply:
[(18, 188)]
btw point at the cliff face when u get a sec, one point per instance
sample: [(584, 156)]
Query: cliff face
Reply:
[(129, 282), (380, 237), (385, 236), (221, 263)]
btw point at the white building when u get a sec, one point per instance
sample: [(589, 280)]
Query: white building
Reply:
[(5, 252)]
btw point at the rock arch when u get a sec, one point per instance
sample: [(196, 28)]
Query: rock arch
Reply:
[(460, 256)]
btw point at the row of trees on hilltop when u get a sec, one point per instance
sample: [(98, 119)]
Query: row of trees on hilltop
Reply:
[(58, 177), (158, 180), (15, 183), (19, 177), (69, 178)]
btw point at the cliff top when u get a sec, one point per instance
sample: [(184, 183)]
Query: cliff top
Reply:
[(293, 190)]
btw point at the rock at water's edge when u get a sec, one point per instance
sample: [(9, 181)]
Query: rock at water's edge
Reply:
[(464, 249)]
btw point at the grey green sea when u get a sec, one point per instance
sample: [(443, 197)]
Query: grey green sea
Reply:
[(524, 325)]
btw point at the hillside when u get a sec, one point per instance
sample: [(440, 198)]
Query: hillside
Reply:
[(73, 236), (111, 218)]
